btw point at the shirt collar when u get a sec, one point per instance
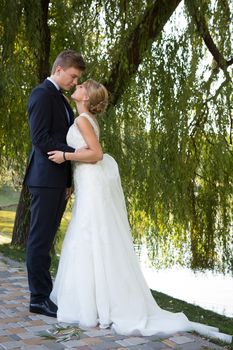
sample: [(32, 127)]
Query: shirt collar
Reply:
[(54, 83)]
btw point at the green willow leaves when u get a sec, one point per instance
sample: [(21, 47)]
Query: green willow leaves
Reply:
[(170, 121)]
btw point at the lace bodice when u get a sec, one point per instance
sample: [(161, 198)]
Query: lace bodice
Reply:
[(74, 137)]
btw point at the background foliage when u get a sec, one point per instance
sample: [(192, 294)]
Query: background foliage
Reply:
[(167, 65)]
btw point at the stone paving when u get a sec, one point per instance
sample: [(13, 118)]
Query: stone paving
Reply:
[(20, 329)]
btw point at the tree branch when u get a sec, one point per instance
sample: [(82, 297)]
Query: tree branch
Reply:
[(203, 29), (137, 43)]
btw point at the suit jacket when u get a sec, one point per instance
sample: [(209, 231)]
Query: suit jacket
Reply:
[(48, 128)]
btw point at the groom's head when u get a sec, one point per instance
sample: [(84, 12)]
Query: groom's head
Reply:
[(67, 69)]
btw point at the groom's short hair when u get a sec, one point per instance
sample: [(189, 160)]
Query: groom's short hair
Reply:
[(67, 59)]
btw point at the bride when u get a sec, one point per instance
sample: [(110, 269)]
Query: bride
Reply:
[(99, 280)]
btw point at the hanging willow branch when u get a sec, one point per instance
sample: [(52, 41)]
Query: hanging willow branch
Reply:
[(137, 43), (11, 16), (203, 29), (170, 129), (39, 31)]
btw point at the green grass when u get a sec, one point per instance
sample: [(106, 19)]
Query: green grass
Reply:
[(8, 198), (13, 252), (19, 254), (195, 313), (8, 203), (6, 225), (7, 222)]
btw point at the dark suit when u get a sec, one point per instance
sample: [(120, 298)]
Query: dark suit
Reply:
[(47, 181)]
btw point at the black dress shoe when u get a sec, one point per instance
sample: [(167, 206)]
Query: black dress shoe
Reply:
[(45, 307)]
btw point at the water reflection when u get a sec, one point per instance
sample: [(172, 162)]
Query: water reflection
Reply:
[(212, 291)]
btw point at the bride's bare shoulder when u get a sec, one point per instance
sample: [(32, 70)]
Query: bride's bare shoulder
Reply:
[(83, 123), (80, 120)]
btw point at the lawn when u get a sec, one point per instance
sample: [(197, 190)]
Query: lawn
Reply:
[(8, 198), (8, 204), (7, 222), (6, 225)]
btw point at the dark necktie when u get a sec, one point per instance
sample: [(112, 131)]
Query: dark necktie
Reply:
[(66, 106)]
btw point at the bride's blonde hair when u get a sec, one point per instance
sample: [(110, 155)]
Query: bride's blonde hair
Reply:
[(98, 96)]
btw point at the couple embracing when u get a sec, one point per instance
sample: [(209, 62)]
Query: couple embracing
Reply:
[(99, 281)]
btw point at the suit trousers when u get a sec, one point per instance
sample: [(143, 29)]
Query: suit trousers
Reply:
[(47, 207)]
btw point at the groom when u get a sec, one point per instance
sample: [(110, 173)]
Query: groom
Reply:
[(50, 117)]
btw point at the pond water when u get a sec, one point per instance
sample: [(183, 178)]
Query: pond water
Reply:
[(212, 291)]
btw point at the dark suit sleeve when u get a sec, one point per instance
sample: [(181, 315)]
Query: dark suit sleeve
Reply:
[(40, 120)]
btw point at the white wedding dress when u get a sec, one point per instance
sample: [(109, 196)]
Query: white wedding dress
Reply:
[(99, 280)]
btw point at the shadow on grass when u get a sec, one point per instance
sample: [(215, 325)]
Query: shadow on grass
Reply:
[(195, 313), (19, 254)]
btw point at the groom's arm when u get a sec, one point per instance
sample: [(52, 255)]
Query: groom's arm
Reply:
[(40, 120), (90, 154)]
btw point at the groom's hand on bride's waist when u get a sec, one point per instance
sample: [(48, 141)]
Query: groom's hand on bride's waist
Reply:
[(56, 156), (59, 156)]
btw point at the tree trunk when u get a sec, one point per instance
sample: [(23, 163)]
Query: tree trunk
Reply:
[(22, 218), (137, 43)]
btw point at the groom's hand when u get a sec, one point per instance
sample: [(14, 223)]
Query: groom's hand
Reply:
[(56, 156)]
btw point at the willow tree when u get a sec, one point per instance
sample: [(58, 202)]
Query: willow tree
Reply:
[(34, 17), (169, 124), (37, 34)]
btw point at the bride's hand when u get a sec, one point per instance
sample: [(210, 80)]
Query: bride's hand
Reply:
[(56, 156)]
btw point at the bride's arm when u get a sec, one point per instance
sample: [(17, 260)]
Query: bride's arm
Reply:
[(91, 154)]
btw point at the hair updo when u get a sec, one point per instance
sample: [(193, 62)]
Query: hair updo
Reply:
[(98, 96)]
